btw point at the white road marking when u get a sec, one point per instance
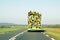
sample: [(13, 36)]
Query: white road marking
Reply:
[(13, 38), (48, 36), (52, 39)]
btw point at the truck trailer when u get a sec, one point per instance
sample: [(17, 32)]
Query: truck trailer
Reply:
[(34, 21)]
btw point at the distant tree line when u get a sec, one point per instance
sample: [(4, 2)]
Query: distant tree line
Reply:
[(4, 26), (51, 26), (10, 26)]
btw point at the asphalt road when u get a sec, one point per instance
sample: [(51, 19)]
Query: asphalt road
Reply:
[(8, 35), (25, 36), (33, 36)]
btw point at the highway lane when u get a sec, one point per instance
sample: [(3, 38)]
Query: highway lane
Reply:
[(24, 36), (33, 36), (8, 35)]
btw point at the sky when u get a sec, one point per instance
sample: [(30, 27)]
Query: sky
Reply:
[(16, 11)]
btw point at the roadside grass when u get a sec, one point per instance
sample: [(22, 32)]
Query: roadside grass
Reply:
[(5, 30), (53, 32)]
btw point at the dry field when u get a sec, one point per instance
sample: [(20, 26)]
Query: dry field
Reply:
[(53, 32)]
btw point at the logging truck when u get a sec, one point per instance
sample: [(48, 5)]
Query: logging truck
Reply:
[(34, 21)]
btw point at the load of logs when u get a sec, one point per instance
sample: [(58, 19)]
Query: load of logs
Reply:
[(34, 19)]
